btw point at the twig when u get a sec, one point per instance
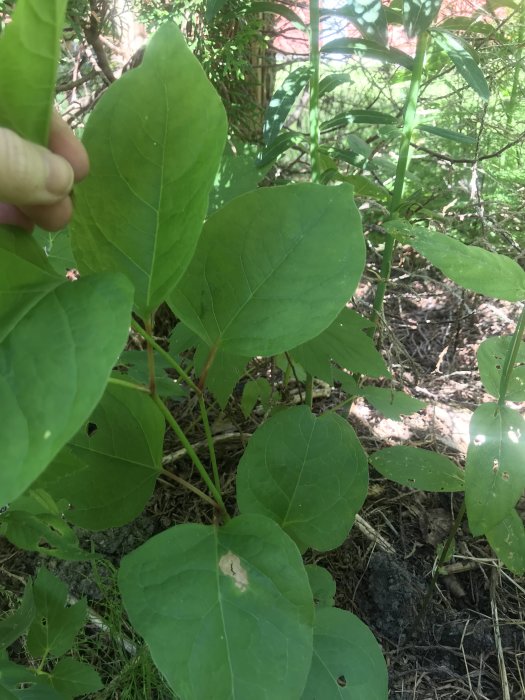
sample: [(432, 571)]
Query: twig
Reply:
[(497, 637)]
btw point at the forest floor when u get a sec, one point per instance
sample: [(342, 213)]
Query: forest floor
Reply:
[(470, 642)]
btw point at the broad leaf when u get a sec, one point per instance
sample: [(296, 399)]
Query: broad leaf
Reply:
[(418, 469), (471, 267), (236, 175), (263, 278), (219, 607), (134, 364), (322, 585), (356, 116), (464, 58), (347, 660), (392, 404), (491, 357), (367, 15), (253, 391), (368, 49), (57, 248), (282, 102), (73, 678), (495, 466), (154, 154), (18, 622), (418, 15), (507, 539), (55, 626), (345, 343), (308, 474), (45, 395), (30, 48), (109, 469), (447, 134)]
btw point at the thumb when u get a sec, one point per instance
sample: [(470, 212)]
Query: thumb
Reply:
[(30, 174)]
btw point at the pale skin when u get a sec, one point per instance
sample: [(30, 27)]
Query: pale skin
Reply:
[(36, 182)]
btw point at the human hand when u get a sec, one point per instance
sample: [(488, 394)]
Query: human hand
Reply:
[(35, 183)]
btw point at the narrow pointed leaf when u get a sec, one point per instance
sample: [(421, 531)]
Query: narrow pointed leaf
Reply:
[(109, 469), (357, 116), (308, 474), (491, 357), (368, 49), (46, 394), (507, 539), (447, 134), (153, 163), (347, 661), (277, 8), (418, 15), (464, 58), (495, 466), (392, 404), (418, 469), (30, 48), (471, 267), (279, 145), (263, 278), (219, 607), (282, 102), (333, 81), (367, 15)]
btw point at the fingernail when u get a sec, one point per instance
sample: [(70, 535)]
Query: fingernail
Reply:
[(60, 175)]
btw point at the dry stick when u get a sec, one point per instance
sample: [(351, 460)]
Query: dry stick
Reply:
[(497, 636), (190, 487)]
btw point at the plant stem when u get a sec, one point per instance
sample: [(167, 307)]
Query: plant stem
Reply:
[(169, 359), (315, 161), (442, 559), (192, 454), (209, 442), (151, 358), (190, 487), (128, 385), (510, 358), (409, 122), (309, 391)]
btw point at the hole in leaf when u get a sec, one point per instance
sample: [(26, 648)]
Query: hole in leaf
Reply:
[(341, 681), (91, 428), (505, 476)]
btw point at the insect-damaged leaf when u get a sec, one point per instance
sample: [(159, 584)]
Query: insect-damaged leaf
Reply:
[(154, 154), (272, 269), (495, 466), (220, 607), (308, 474), (491, 358)]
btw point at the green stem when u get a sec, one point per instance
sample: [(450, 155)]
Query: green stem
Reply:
[(309, 391), (513, 101), (151, 358), (315, 159), (190, 487), (192, 454), (409, 123), (169, 359), (128, 385), (510, 358), (209, 441)]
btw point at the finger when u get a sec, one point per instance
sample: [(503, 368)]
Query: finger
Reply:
[(30, 174), (51, 217), (11, 216), (64, 142)]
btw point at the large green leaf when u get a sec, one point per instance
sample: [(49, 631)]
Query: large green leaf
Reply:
[(109, 469), (367, 15), (345, 343), (308, 474), (464, 58), (54, 365), (477, 269), (29, 53), (56, 624), (272, 269), (491, 357), (282, 102), (368, 49), (418, 469), (418, 15), (226, 612), (347, 661), (507, 539), (73, 678), (155, 140), (495, 466)]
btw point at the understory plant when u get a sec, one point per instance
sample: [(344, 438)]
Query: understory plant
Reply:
[(228, 609)]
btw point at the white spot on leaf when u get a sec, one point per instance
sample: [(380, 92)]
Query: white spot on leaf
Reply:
[(231, 566)]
